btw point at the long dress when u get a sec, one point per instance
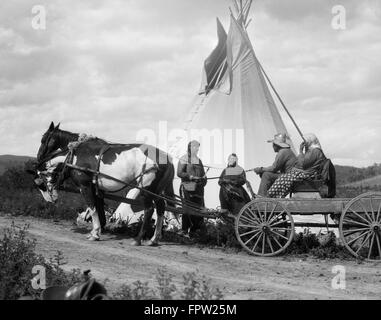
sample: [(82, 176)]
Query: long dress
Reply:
[(232, 194), (185, 169)]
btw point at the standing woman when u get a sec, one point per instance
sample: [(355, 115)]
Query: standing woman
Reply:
[(193, 180)]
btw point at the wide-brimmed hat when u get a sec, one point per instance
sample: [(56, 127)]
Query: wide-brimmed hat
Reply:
[(280, 139)]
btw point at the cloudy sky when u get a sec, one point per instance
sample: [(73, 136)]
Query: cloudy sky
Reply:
[(111, 68)]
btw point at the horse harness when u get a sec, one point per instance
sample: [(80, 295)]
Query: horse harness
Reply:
[(68, 164)]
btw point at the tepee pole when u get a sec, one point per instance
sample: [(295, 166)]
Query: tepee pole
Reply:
[(281, 101)]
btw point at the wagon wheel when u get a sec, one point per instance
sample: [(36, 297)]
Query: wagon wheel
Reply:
[(360, 226), (264, 227)]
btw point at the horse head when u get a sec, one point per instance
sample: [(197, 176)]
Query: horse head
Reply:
[(45, 178), (50, 142)]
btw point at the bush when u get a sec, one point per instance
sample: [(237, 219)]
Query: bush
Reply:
[(303, 243), (320, 247), (213, 234), (193, 288), (17, 259), (19, 196)]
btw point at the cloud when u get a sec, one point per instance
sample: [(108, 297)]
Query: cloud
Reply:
[(111, 68)]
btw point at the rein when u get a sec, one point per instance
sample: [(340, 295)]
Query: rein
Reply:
[(53, 155)]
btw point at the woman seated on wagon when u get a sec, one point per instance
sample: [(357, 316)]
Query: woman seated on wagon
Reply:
[(308, 166)]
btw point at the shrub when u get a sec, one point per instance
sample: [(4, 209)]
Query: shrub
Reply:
[(193, 288), (17, 259), (303, 242), (218, 233), (321, 247), (19, 196), (214, 234)]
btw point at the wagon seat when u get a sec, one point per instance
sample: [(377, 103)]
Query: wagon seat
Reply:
[(323, 186)]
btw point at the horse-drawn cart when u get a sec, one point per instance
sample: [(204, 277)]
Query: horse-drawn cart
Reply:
[(266, 227)]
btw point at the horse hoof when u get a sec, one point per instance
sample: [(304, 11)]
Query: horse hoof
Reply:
[(151, 243), (92, 238), (136, 243)]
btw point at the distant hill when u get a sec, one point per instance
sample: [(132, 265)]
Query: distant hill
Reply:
[(10, 161), (366, 183), (346, 175)]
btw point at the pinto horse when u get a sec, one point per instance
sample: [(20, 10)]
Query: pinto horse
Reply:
[(139, 165)]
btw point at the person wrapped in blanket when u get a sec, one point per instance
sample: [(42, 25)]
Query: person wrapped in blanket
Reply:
[(308, 165), (232, 194), (193, 180)]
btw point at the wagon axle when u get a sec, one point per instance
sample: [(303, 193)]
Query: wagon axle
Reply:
[(376, 227)]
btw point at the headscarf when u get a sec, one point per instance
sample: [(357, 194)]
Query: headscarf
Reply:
[(236, 160), (192, 157), (312, 142)]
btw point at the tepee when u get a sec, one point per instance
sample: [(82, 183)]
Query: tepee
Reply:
[(234, 110)]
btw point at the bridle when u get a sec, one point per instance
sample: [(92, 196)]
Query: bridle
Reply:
[(47, 183)]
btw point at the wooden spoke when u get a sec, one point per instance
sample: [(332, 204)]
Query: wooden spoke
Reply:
[(250, 217), (281, 229), (379, 213), (253, 215), (272, 213), (256, 244), (371, 245), (371, 208), (248, 226), (355, 230), (360, 216), (278, 223), (249, 232), (378, 245), (265, 213), (277, 242), (364, 241), (276, 217), (248, 220), (263, 243), (365, 211), (355, 222), (258, 214), (360, 236), (278, 234), (270, 245), (252, 238)]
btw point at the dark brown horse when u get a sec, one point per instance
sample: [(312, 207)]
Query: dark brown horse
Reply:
[(137, 165)]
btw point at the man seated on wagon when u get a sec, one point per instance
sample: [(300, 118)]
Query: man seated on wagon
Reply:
[(309, 165), (232, 194), (284, 161)]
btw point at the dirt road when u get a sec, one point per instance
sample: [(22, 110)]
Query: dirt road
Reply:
[(237, 275)]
